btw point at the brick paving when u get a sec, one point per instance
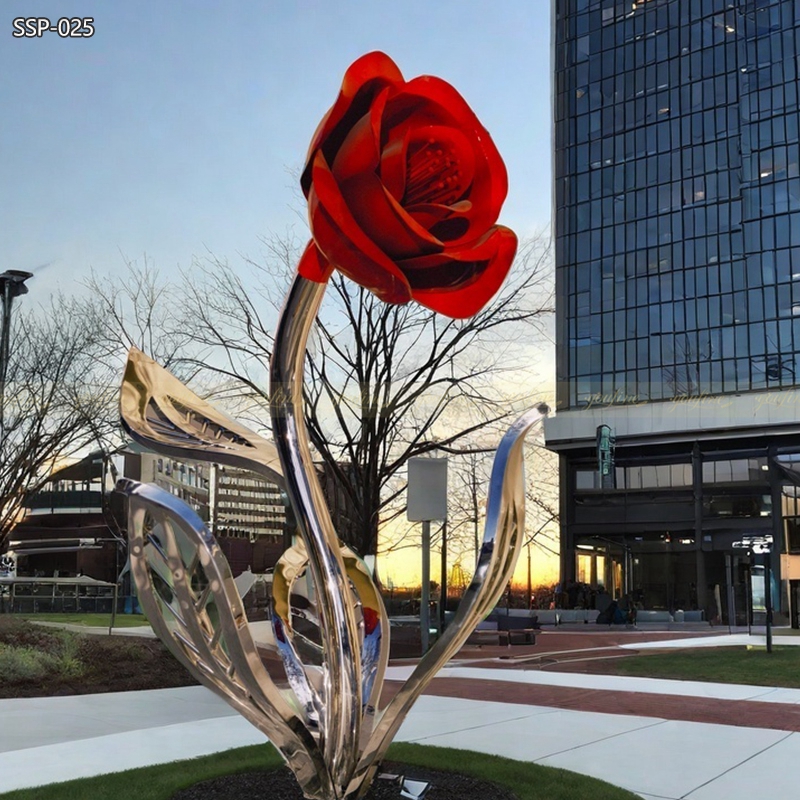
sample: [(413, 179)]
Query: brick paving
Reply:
[(740, 713), (576, 651)]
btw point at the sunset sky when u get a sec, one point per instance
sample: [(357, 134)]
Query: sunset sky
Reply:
[(176, 130)]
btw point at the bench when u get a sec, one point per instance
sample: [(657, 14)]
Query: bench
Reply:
[(485, 633), (645, 616), (562, 616), (511, 628)]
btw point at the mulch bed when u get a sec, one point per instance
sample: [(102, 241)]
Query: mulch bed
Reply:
[(281, 784), (109, 663)]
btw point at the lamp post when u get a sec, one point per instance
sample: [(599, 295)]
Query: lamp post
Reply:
[(443, 584), (12, 284), (762, 545)]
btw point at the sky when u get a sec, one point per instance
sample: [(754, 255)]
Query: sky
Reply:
[(178, 129)]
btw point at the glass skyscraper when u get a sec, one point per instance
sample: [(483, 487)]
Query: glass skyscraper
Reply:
[(677, 230)]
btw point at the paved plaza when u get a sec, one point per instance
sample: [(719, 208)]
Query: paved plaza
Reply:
[(660, 739)]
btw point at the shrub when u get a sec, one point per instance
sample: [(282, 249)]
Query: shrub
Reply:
[(22, 663), (28, 654)]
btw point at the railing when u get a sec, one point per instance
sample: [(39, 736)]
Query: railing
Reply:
[(59, 501), (28, 604), (48, 597)]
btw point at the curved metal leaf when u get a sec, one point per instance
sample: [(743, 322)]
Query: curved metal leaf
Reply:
[(502, 540), (188, 594), (161, 413), (374, 627)]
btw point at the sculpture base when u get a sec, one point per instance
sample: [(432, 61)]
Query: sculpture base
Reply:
[(281, 783)]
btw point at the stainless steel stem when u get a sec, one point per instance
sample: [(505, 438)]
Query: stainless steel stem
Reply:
[(340, 726)]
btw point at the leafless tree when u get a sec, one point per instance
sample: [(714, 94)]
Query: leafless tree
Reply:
[(58, 399), (137, 310), (467, 503), (384, 383), (542, 493)]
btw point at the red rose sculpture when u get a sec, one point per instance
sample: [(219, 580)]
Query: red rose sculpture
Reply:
[(404, 187)]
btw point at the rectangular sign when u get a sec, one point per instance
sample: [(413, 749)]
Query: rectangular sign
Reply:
[(427, 489)]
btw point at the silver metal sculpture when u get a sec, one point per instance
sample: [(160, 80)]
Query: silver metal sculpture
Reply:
[(326, 721), (404, 188)]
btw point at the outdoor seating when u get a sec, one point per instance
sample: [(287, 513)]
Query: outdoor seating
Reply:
[(517, 630), (644, 617)]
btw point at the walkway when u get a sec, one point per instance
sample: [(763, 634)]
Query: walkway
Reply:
[(660, 739)]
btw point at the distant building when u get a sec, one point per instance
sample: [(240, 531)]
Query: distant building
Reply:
[(64, 531), (70, 528), (75, 525), (245, 512), (343, 515)]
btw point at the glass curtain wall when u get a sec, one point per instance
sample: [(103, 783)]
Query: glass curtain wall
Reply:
[(677, 198)]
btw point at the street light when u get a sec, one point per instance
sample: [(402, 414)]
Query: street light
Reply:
[(762, 545), (12, 284)]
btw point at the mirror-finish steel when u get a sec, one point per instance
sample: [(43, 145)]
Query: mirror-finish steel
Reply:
[(327, 723), (188, 594), (159, 412), (340, 726)]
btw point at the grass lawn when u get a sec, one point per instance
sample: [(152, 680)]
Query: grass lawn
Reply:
[(717, 664), (89, 620), (528, 781)]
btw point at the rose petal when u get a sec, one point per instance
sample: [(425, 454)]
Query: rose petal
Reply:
[(360, 151), (482, 268), (453, 267), (389, 286), (446, 96), (313, 265), (365, 78), (446, 223), (385, 221), (407, 112), (429, 100), (429, 214), (345, 245), (393, 165)]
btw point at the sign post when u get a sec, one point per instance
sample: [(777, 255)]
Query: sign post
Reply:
[(427, 500)]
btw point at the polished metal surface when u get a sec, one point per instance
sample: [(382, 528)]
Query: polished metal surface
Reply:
[(340, 726), (329, 623), (159, 412), (188, 594)]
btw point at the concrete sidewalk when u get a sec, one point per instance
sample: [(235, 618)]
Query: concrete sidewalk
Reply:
[(655, 755)]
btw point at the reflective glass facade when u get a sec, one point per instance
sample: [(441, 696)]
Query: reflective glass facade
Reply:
[(677, 198)]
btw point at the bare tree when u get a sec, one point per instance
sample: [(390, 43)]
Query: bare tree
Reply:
[(384, 383), (542, 496), (467, 503), (138, 310), (57, 400)]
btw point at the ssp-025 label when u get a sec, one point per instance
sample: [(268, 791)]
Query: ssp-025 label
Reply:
[(65, 27)]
